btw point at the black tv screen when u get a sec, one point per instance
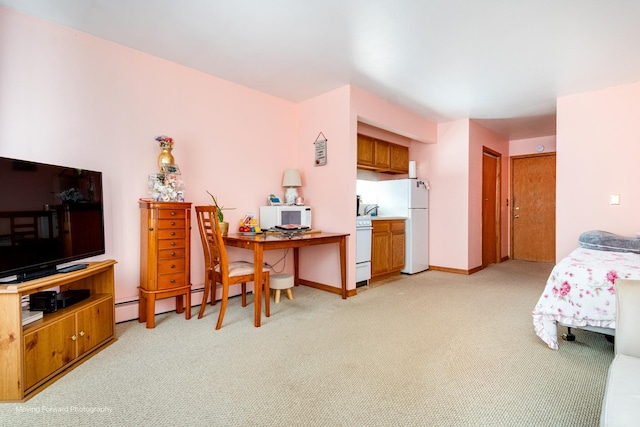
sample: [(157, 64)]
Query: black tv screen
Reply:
[(49, 215)]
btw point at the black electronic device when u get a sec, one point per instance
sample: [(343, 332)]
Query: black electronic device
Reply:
[(43, 301), (68, 298), (52, 215), (74, 267)]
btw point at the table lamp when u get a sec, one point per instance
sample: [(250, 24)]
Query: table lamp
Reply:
[(291, 180)]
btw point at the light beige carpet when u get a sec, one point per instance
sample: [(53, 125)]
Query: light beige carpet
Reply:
[(433, 349)]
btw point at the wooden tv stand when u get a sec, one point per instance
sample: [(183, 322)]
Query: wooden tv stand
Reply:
[(34, 356)]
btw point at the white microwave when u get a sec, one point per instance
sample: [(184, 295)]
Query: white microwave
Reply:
[(270, 216)]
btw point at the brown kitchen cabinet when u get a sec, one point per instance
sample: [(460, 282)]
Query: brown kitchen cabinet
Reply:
[(398, 158), (382, 156), (165, 260), (37, 354), (387, 247), (366, 152)]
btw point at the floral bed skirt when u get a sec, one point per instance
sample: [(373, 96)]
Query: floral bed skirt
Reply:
[(580, 291)]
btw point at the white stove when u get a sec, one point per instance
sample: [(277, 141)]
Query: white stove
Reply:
[(364, 229), (363, 221)]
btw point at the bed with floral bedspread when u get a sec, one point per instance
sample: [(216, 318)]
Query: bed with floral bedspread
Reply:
[(580, 291)]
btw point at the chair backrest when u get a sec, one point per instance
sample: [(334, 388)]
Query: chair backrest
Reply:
[(215, 253), (627, 317)]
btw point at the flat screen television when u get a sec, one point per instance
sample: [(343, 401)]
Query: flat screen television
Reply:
[(49, 215)]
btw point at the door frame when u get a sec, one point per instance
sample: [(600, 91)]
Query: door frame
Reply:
[(498, 194)]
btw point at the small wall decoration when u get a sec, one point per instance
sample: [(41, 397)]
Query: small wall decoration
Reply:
[(321, 150)]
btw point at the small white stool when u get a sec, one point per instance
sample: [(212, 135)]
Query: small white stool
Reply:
[(279, 282)]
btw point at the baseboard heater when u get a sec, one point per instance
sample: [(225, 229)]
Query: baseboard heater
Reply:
[(137, 300)]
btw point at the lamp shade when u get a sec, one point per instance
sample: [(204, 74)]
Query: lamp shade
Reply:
[(291, 178)]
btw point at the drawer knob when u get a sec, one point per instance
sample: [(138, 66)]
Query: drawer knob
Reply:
[(173, 280), (73, 337), (173, 243), (173, 214), (173, 223), (173, 254), (173, 266), (173, 233), (81, 333), (150, 228)]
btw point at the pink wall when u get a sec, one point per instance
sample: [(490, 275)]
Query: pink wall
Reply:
[(375, 132), (597, 155), (454, 168), (73, 99), (70, 98), (328, 188), (480, 137), (448, 172), (387, 116), (522, 147)]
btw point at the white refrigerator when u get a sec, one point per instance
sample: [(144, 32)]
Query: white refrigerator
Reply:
[(409, 198)]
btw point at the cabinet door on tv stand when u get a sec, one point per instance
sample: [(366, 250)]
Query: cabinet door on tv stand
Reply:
[(48, 349), (95, 325)]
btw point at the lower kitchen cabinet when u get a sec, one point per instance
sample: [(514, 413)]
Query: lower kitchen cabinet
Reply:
[(387, 247)]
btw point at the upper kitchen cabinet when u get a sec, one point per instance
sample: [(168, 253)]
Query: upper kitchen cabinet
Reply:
[(399, 158), (366, 152), (382, 156)]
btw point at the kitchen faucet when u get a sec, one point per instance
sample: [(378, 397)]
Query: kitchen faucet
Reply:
[(370, 209)]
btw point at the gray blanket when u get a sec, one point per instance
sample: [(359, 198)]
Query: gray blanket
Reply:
[(605, 241)]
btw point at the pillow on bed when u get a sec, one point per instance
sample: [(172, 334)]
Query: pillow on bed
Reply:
[(605, 241)]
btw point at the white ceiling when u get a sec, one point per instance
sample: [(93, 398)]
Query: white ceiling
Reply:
[(503, 62)]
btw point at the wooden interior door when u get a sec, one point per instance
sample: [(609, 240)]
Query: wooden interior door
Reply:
[(533, 208), (490, 207)]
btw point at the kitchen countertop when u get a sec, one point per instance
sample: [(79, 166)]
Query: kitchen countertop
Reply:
[(375, 218)]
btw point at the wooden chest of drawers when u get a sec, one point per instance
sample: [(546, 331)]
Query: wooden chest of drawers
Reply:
[(165, 261)]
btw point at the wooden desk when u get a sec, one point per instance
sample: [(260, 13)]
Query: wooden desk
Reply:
[(267, 242)]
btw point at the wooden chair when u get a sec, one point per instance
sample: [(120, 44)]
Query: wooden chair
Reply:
[(218, 269)]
